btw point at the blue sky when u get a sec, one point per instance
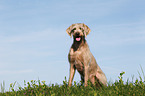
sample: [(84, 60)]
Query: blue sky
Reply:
[(34, 43)]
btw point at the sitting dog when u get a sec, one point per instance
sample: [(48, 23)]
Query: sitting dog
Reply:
[(81, 58)]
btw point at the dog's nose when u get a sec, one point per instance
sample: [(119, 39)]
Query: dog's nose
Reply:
[(77, 33)]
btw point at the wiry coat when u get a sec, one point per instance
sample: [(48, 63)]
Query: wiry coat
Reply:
[(81, 58)]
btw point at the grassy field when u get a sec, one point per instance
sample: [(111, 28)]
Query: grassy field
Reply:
[(39, 88)]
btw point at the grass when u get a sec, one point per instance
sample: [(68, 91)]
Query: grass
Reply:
[(39, 88)]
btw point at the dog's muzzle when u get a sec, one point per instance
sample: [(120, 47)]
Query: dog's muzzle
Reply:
[(77, 36)]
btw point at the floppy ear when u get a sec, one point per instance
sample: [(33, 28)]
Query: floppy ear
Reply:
[(86, 30), (69, 29)]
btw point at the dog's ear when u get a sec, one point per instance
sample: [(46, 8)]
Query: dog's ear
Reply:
[(69, 29), (86, 30)]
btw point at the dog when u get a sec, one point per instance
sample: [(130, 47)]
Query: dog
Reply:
[(81, 58)]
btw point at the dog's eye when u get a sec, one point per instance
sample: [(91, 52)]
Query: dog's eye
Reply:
[(81, 29), (73, 29)]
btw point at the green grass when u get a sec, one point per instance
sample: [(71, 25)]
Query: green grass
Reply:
[(39, 88)]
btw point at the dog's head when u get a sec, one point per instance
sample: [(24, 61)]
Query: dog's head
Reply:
[(78, 30)]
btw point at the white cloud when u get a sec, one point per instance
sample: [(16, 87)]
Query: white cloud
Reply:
[(47, 34), (34, 43), (120, 34)]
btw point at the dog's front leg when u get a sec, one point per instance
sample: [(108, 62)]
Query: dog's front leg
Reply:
[(72, 72), (86, 74)]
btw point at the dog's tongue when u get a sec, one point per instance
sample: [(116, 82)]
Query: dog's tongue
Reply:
[(78, 39)]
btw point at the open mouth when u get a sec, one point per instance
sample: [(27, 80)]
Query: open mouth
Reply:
[(78, 38)]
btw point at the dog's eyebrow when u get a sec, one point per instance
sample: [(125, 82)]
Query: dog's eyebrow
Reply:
[(73, 29), (81, 28)]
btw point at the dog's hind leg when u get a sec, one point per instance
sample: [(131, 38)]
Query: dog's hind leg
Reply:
[(92, 79), (101, 78)]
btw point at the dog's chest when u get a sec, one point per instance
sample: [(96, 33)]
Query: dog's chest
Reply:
[(79, 66), (75, 58)]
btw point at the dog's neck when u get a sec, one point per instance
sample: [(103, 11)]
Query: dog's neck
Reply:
[(78, 44)]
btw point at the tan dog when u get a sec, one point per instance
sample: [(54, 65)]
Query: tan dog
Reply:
[(81, 58)]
